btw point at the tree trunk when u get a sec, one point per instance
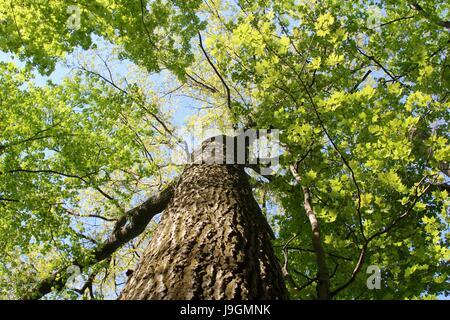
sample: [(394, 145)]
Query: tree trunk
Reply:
[(212, 243)]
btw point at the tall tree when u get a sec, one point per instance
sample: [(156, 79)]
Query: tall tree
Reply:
[(213, 243), (359, 90)]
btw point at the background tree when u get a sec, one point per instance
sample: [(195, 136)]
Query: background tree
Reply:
[(359, 90)]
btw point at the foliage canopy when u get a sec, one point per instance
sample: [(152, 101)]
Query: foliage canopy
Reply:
[(359, 90)]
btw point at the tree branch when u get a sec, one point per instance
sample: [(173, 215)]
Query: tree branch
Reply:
[(312, 251), (395, 20), (393, 223), (67, 175), (202, 84), (386, 71), (138, 101), (285, 268), (129, 226), (323, 277), (344, 160), (427, 15), (34, 137), (227, 89), (9, 200), (361, 81)]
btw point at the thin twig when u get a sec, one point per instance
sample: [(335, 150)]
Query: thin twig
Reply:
[(227, 89)]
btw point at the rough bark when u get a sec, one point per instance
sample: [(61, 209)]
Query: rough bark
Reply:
[(212, 243)]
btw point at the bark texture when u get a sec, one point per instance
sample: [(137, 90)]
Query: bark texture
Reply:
[(212, 243)]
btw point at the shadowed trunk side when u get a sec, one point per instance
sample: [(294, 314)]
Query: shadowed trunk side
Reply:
[(212, 243)]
